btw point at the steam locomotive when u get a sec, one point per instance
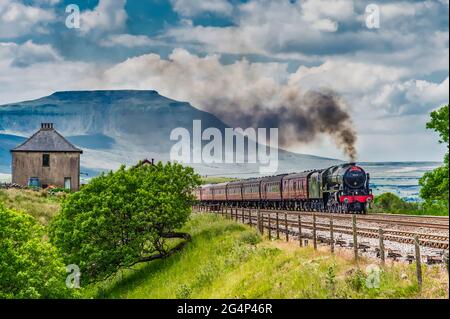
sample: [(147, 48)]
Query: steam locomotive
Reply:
[(339, 189)]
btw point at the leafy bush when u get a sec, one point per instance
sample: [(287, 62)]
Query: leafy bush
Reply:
[(123, 218), (29, 266), (391, 203)]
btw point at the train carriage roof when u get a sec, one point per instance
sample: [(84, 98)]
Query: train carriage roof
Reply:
[(275, 178), (246, 182), (234, 183), (219, 185), (301, 174)]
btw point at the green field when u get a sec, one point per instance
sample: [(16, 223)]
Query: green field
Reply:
[(38, 204)]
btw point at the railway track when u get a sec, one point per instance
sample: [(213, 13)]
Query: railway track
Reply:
[(429, 222), (418, 224)]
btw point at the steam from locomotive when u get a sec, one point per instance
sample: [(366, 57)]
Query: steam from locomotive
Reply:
[(299, 118), (245, 94)]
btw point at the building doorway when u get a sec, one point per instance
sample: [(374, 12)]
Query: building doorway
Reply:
[(67, 183)]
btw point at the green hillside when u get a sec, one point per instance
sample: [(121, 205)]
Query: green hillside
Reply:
[(229, 260), (226, 259)]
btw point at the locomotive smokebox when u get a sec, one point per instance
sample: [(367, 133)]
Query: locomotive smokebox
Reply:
[(348, 174)]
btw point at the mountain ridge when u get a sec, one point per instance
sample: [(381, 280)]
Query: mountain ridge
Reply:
[(116, 127)]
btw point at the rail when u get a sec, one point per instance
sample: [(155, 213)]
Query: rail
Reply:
[(292, 224)]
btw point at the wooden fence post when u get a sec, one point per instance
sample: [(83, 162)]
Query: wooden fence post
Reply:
[(259, 221), (331, 235), (286, 226), (381, 235), (418, 262), (270, 228), (262, 224), (243, 216), (445, 260), (314, 232), (250, 216), (300, 230), (278, 226), (355, 237)]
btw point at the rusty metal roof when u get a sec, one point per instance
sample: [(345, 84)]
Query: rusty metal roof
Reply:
[(47, 139)]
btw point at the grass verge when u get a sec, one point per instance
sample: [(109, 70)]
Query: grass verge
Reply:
[(230, 260), (38, 204)]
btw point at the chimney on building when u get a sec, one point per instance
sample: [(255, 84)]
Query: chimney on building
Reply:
[(47, 126)]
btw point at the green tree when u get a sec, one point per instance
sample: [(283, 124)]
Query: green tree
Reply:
[(29, 265), (435, 190), (390, 202), (125, 217)]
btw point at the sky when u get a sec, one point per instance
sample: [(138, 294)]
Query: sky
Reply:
[(390, 77)]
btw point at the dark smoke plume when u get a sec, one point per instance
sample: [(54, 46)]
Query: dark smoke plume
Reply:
[(299, 118), (244, 94)]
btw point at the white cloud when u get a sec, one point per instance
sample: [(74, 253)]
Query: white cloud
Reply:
[(347, 77), (30, 71), (127, 40), (265, 27), (374, 90), (47, 2), (107, 16), (18, 19), (324, 15), (411, 96), (27, 54), (192, 8), (411, 33)]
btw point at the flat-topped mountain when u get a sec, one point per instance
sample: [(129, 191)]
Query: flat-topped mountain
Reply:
[(122, 127)]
